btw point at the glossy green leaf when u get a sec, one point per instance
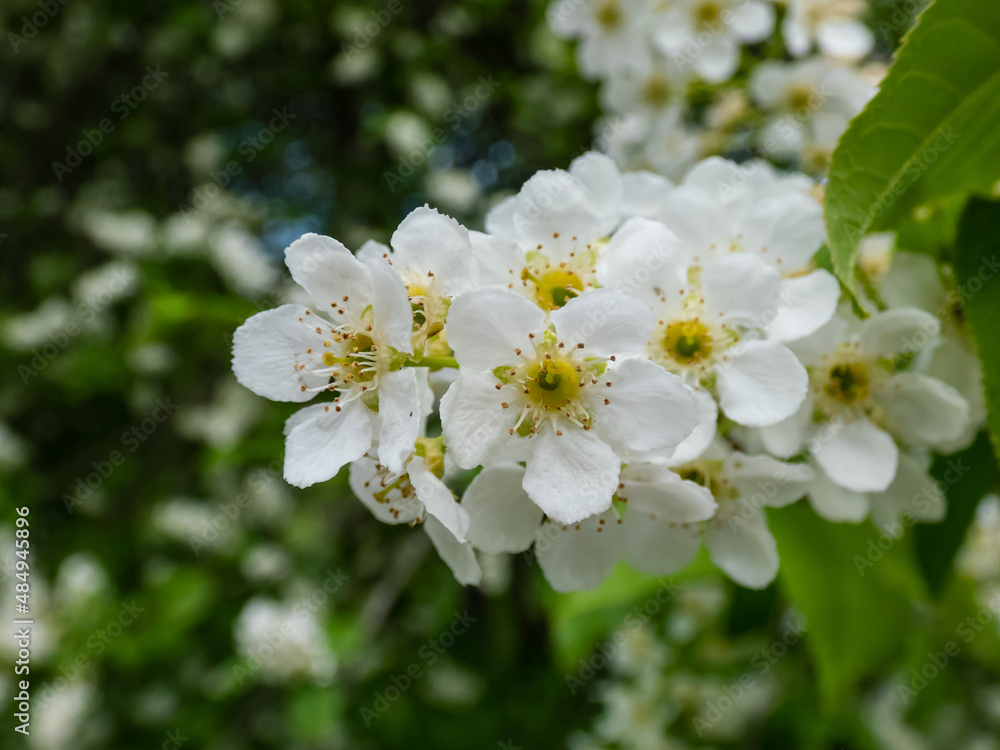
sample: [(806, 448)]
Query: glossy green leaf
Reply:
[(977, 272), (929, 134), (854, 587)]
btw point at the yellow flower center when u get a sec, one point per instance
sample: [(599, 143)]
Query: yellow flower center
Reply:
[(708, 13), (800, 99), (555, 288), (553, 383), (609, 15), (656, 92), (687, 342), (357, 366), (848, 382)]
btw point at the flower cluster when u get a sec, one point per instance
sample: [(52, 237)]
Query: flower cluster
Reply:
[(630, 366), (683, 79)]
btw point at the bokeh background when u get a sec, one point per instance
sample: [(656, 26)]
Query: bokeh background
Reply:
[(156, 160)]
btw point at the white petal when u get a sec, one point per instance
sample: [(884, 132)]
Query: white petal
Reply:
[(761, 384), (699, 440), (396, 509), (813, 348), (438, 499), (323, 440), (435, 244), (845, 38), (648, 408), (786, 230), (275, 352), (913, 280), (716, 176), (328, 272), (835, 503), (923, 410), (745, 549), (652, 490), (459, 556), (485, 327), (605, 322), (500, 219), (372, 250), (753, 21), (656, 546), (603, 184), (579, 559), (571, 476), (787, 437), (643, 193), (899, 331), (391, 306), (913, 493), (674, 30), (473, 419), (644, 259), (765, 481), (700, 220), (741, 288), (399, 417), (553, 202), (500, 260), (718, 59), (503, 518), (807, 303), (858, 456), (768, 83)]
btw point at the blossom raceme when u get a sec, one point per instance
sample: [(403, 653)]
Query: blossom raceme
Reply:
[(627, 367), (561, 393)]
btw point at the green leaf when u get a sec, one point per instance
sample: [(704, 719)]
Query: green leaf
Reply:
[(929, 134), (966, 477), (977, 276), (856, 589)]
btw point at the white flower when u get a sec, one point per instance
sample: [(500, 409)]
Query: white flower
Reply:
[(579, 555), (809, 104), (348, 345), (723, 208), (649, 93), (858, 401), (287, 640), (614, 33), (555, 392), (543, 242), (720, 497), (710, 321), (418, 493), (643, 193), (833, 24), (738, 537), (433, 255), (672, 146), (915, 280), (708, 35)]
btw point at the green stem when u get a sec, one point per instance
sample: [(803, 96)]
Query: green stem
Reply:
[(436, 362)]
